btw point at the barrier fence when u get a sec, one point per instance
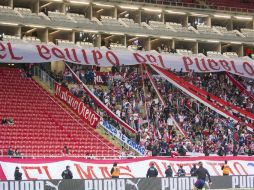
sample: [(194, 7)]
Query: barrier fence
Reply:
[(173, 183)]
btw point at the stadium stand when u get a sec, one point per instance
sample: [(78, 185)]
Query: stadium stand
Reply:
[(80, 18), (107, 20), (42, 126), (130, 23), (206, 29), (237, 4), (159, 30), (248, 32), (27, 13), (6, 11)]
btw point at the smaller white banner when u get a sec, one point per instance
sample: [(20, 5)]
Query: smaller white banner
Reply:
[(118, 134)]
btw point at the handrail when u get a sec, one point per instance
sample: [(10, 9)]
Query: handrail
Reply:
[(189, 154)]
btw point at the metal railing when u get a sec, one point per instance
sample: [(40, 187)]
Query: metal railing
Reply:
[(44, 77), (176, 4)]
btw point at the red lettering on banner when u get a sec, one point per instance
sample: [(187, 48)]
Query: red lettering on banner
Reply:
[(85, 56), (2, 48), (236, 164), (139, 58), (58, 53), (234, 68), (76, 60), (46, 171), (213, 64), (161, 61), (214, 168), (27, 168), (43, 51), (125, 173), (89, 174), (110, 55), (187, 62), (151, 58), (12, 53), (203, 63), (225, 65), (104, 172), (96, 56), (86, 113), (248, 68)]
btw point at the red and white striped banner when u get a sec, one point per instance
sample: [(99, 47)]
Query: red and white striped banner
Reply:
[(239, 86), (174, 80), (51, 168)]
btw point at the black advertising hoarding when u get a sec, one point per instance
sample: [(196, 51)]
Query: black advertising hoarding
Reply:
[(174, 183)]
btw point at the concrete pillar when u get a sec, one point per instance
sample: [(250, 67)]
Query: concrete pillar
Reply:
[(57, 67), (209, 21), (90, 12), (63, 8), (173, 44), (73, 36), (19, 32), (219, 47), (36, 7), (163, 17), (241, 51), (11, 4), (195, 48), (148, 44), (115, 13), (139, 17), (230, 25), (125, 41), (97, 42), (185, 21)]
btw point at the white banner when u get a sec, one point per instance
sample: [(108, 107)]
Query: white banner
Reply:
[(31, 53), (34, 169), (118, 134)]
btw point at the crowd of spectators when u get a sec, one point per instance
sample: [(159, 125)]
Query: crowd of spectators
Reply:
[(133, 98), (7, 121), (14, 153), (220, 85)]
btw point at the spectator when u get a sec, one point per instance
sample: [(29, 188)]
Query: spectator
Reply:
[(181, 172), (17, 174), (225, 168), (10, 152), (67, 174), (169, 171), (115, 171), (152, 171), (17, 153), (4, 121), (65, 150), (206, 131), (193, 170), (10, 121), (7, 121)]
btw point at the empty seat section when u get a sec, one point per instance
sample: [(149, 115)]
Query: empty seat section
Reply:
[(42, 126)]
